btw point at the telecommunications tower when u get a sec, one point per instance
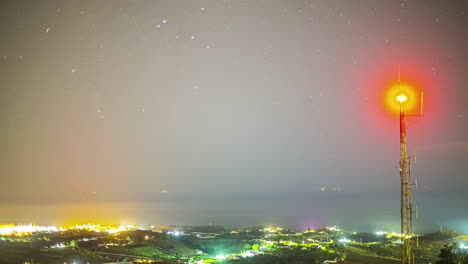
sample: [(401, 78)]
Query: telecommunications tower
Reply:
[(406, 184)]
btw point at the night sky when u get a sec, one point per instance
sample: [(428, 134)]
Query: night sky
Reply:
[(230, 112)]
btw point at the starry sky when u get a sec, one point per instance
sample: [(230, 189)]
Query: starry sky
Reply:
[(230, 112)]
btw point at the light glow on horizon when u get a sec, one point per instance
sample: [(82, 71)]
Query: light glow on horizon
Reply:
[(29, 229)]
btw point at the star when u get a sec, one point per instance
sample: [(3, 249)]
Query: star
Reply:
[(47, 30)]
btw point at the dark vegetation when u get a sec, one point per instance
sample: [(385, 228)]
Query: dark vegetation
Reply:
[(16, 253), (170, 249), (451, 254)]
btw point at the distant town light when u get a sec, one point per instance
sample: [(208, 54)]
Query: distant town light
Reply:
[(220, 257), (344, 240), (24, 230)]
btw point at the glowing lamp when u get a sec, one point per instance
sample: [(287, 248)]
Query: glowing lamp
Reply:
[(404, 94), (402, 98)]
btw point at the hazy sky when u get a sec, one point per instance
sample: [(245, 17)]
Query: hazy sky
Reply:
[(234, 112)]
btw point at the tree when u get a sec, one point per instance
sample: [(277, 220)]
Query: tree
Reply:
[(255, 247), (73, 243), (450, 255)]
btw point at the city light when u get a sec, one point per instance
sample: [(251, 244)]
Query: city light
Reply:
[(175, 233), (333, 228), (220, 257), (29, 229), (247, 254), (391, 234), (344, 240), (21, 230)]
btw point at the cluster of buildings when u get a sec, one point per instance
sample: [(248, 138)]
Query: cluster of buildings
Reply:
[(29, 229)]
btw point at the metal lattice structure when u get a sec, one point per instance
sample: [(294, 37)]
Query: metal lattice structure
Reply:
[(406, 206), (406, 198)]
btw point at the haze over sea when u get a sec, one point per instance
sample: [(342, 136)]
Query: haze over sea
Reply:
[(351, 212)]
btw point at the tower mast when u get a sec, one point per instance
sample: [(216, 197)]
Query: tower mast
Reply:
[(406, 208)]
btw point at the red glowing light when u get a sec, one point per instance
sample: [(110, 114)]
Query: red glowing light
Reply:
[(402, 95), (402, 98), (378, 77)]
